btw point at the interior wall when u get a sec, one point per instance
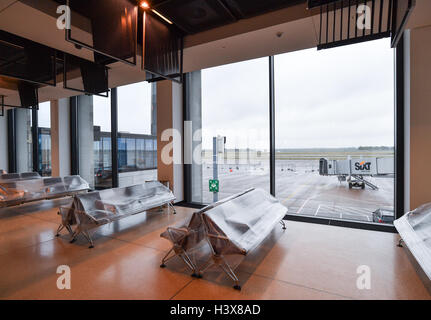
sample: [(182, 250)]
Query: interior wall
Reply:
[(420, 116), (3, 143), (169, 136)]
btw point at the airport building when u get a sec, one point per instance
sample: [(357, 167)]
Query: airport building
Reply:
[(215, 149)]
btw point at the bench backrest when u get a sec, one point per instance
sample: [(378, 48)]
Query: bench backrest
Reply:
[(127, 200), (242, 223), (19, 176), (45, 187)]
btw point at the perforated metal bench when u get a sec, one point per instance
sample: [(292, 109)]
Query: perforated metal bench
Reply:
[(95, 209), (18, 191), (234, 226), (415, 231)]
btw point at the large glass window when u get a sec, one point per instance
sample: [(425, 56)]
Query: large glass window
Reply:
[(102, 147), (335, 132), (235, 113), (44, 136), (137, 155), (24, 140)]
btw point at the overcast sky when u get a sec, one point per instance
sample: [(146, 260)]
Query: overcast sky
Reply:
[(342, 97)]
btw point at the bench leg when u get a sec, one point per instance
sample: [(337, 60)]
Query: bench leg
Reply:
[(60, 227), (166, 259), (183, 255), (171, 206), (88, 237), (228, 270)]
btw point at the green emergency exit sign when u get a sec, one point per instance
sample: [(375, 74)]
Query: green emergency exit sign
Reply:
[(214, 186)]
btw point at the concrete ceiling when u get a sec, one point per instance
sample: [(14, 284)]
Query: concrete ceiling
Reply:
[(282, 31)]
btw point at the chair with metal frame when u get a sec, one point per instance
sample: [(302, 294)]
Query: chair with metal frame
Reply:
[(238, 227)]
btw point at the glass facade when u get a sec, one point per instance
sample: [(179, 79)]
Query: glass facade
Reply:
[(336, 105), (24, 140), (331, 106), (44, 136), (102, 142), (137, 136), (234, 112)]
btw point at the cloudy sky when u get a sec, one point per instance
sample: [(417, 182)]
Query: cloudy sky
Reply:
[(339, 97), (342, 97)]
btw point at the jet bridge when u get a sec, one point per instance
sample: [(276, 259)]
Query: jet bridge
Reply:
[(354, 171)]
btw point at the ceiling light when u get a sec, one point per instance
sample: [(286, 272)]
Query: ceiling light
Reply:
[(163, 17), (145, 5)]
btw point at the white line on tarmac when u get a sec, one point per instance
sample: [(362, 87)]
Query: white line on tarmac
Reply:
[(318, 208), (303, 205)]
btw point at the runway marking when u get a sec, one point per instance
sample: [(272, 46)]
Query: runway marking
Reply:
[(303, 205), (318, 208), (299, 188), (354, 211)]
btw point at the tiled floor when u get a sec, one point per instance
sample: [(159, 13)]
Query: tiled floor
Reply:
[(306, 261)]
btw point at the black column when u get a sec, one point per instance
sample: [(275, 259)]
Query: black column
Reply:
[(399, 129), (35, 140), (74, 138), (114, 137), (11, 140), (272, 125)]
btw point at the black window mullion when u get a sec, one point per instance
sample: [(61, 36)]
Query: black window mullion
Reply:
[(35, 140), (399, 130), (11, 140), (74, 138), (272, 125), (114, 137)]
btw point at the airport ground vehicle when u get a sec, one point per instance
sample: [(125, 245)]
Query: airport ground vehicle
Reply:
[(384, 215), (354, 171)]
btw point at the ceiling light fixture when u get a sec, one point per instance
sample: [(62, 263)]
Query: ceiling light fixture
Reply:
[(145, 5), (163, 17)]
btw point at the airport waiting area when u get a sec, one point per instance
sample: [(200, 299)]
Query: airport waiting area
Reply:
[(215, 150)]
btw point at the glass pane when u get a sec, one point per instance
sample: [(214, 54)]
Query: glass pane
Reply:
[(336, 105), (44, 135), (137, 129), (24, 142), (235, 112), (102, 142)]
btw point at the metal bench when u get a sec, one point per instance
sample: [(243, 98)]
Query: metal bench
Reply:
[(415, 231), (95, 209), (234, 226), (10, 177), (18, 191)]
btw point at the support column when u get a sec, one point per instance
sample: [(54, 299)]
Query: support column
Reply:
[(420, 116), (60, 138), (3, 143), (193, 187), (85, 138), (170, 129)]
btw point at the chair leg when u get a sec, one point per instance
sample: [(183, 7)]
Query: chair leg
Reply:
[(69, 228), (400, 243), (166, 259), (75, 234), (228, 270), (60, 227), (171, 206), (283, 224), (88, 237)]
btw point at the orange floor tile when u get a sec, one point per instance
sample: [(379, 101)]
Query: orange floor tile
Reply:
[(307, 261)]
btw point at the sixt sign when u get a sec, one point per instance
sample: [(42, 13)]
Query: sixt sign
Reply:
[(363, 166)]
